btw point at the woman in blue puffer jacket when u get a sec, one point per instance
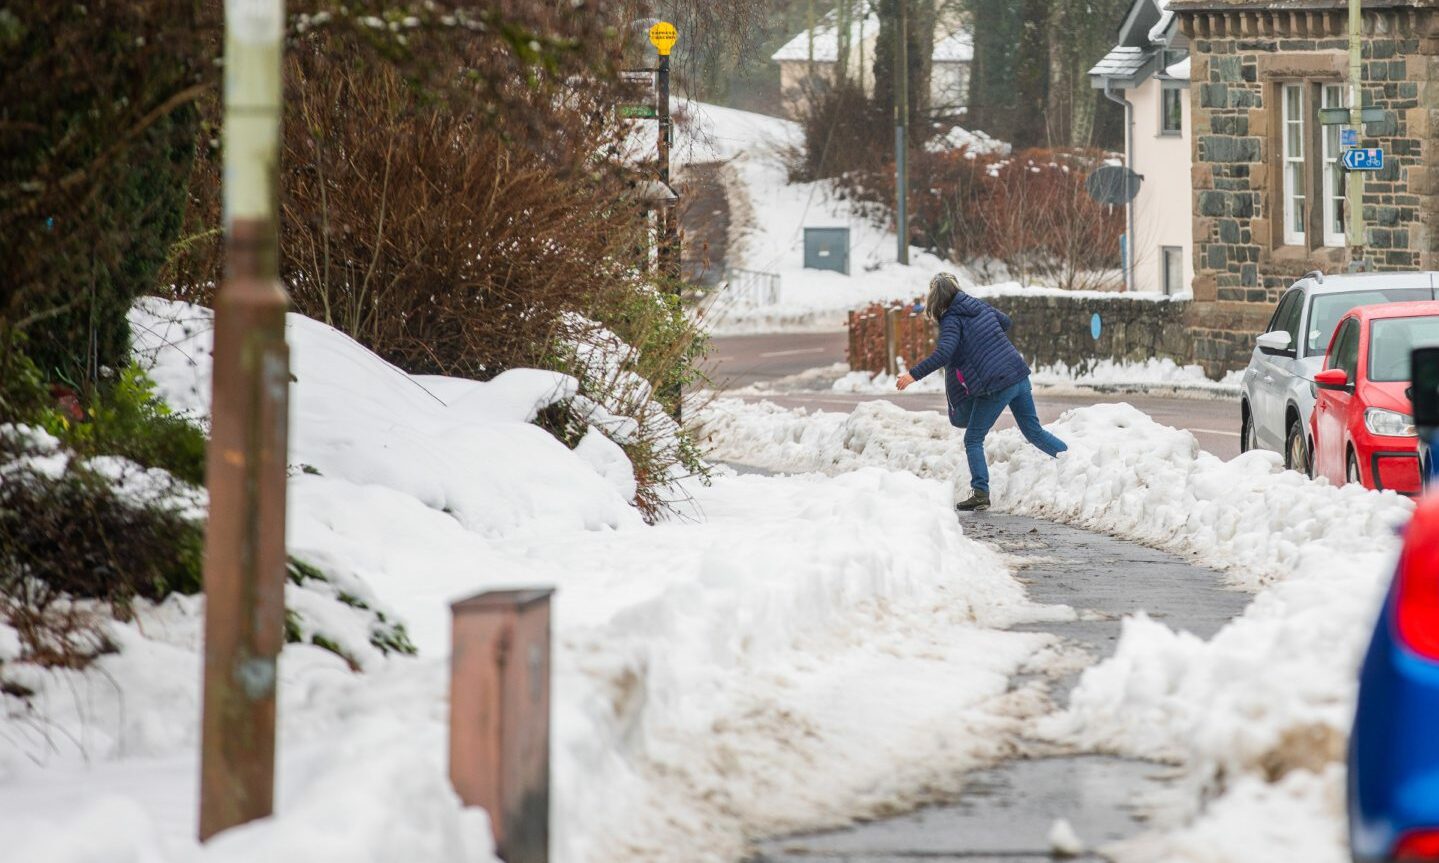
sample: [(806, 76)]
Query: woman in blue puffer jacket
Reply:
[(983, 374)]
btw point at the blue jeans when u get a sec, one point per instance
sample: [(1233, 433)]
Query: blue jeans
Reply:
[(986, 409)]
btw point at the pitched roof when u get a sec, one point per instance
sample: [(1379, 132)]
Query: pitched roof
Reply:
[(826, 39), (1161, 27), (1138, 21), (957, 47), (1149, 26), (1122, 63)]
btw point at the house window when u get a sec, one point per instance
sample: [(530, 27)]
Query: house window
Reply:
[(1293, 144), (1333, 172), (1171, 111), (1172, 274)]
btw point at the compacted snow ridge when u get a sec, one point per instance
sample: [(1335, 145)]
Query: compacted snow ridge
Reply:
[(1153, 374), (804, 651), (1269, 697)]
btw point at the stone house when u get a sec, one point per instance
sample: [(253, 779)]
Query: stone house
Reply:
[(1268, 194), (1148, 71)]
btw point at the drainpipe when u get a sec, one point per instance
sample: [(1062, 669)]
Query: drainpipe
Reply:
[(1128, 163)]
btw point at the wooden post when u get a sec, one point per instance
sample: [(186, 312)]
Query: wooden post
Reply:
[(245, 535), (849, 352), (891, 347), (500, 716)]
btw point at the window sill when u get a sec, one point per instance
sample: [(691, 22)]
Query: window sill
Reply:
[(1303, 256), (1178, 133)]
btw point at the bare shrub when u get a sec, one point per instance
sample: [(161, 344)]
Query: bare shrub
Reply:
[(1029, 212), (431, 238), (1041, 222), (844, 131)]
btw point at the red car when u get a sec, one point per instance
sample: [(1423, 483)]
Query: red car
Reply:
[(1362, 423)]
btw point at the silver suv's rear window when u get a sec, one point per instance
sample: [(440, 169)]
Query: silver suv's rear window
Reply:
[(1325, 310)]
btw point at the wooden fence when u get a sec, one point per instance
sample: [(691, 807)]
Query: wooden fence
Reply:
[(881, 335)]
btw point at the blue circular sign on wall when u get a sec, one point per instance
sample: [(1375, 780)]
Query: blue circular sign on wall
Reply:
[(1095, 325)]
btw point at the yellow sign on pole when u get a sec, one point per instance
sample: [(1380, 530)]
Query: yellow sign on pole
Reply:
[(664, 36)]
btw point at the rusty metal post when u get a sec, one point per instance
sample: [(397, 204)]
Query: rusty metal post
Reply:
[(500, 716), (245, 535)]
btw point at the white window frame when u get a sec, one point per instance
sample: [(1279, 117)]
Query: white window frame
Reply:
[(1171, 288), (1292, 135), (1333, 96), (1164, 91)]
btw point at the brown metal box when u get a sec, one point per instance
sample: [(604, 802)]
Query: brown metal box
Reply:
[(500, 716)]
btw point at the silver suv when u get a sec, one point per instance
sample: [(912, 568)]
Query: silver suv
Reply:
[(1277, 393)]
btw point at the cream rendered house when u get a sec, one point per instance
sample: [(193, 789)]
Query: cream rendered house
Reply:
[(1148, 72), (949, 75)]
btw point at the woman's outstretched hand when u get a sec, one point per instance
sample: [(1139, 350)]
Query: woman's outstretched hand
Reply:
[(904, 381)]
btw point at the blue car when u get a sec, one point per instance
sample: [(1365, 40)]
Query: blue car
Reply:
[(1394, 748)]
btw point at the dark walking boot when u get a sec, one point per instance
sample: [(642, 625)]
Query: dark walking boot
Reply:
[(978, 502)]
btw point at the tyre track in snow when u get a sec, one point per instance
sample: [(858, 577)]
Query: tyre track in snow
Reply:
[(1007, 812)]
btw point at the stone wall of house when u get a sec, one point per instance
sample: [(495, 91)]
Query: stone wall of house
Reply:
[(1239, 59)]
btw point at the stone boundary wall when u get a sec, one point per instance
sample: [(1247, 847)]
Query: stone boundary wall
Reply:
[(1049, 330)]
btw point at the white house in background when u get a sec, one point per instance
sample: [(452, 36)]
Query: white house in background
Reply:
[(949, 80), (1148, 71)]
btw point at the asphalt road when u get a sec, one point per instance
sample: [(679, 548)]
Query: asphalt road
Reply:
[(742, 361)]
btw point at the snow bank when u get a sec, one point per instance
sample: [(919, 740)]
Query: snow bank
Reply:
[(357, 418), (807, 650), (1154, 373), (1272, 693)]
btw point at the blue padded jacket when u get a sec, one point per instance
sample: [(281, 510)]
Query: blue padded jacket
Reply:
[(973, 344)]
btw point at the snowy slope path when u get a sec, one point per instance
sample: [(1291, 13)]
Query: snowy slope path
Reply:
[(1007, 813)]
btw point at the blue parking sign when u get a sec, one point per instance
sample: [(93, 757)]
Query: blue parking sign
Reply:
[(1362, 159)]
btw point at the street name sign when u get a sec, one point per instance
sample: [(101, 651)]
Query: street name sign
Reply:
[(1342, 116), (642, 78), (1361, 159)]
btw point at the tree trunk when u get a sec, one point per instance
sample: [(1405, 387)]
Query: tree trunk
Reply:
[(921, 51), (996, 25), (1031, 75)]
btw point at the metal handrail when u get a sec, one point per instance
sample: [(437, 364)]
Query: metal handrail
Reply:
[(752, 287)]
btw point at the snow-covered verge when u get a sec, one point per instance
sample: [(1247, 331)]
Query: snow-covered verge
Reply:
[(1105, 375), (803, 651), (1270, 696), (768, 234), (1152, 374)]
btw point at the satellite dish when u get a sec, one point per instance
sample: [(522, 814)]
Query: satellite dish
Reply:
[(1113, 184)]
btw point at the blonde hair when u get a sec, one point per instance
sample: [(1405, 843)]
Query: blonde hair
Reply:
[(943, 288)]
